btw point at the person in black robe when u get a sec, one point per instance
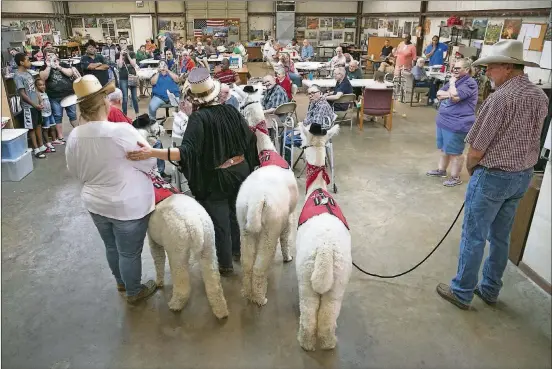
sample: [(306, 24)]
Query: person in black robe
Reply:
[(217, 154)]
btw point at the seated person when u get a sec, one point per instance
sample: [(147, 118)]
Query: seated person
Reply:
[(283, 80), (226, 98), (342, 87), (186, 64), (388, 65), (200, 56), (318, 111), (162, 81), (172, 64), (307, 51), (420, 76), (274, 95), (294, 45), (379, 77), (116, 114), (224, 74), (354, 72), (338, 60)]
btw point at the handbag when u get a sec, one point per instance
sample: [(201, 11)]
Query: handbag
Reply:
[(132, 78)]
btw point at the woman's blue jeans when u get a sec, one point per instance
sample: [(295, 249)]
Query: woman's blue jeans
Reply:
[(123, 84), (296, 79), (492, 198), (160, 163), (124, 240)]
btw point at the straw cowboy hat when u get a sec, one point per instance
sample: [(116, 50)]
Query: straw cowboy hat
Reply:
[(202, 88), (505, 51), (88, 86)]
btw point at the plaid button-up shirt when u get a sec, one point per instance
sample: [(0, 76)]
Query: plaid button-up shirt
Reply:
[(318, 111), (509, 124), (274, 97)]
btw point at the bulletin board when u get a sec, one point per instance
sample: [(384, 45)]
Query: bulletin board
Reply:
[(375, 44), (532, 41), (537, 42)]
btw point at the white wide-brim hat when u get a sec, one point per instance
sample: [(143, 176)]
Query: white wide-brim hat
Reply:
[(505, 51), (88, 86), (202, 88)]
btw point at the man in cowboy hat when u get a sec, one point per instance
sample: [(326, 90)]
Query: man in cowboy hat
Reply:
[(504, 146), (217, 154)]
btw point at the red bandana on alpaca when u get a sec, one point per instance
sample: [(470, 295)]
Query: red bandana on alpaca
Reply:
[(261, 126), (270, 157), (321, 202), (162, 188), (312, 173)]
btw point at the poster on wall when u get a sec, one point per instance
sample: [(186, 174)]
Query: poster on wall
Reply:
[(480, 26), (325, 35), (400, 32), (350, 22), (256, 35), (371, 23), (164, 25), (90, 23), (444, 32), (300, 22), (407, 28), (349, 37), (338, 35), (511, 29), (76, 22), (311, 35), (339, 23), (468, 26), (47, 26), (390, 25), (300, 35), (312, 22), (326, 23), (123, 23), (382, 24), (492, 35), (427, 27)]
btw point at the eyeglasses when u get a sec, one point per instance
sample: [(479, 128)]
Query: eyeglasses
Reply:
[(312, 93), (456, 69)]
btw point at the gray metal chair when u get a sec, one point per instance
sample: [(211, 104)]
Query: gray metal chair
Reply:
[(342, 115), (281, 118)]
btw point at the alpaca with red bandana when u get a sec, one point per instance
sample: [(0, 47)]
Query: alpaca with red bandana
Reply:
[(265, 205), (323, 248)]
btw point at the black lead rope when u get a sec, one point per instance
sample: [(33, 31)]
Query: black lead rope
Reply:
[(421, 262)]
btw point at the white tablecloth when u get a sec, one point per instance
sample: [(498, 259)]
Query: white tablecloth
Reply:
[(309, 65), (146, 73), (150, 61), (365, 83), (437, 75)]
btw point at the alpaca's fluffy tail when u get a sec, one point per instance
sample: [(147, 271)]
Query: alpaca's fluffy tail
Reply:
[(323, 274), (254, 218)]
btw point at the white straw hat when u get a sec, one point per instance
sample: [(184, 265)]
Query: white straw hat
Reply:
[(505, 51), (89, 86), (202, 88)]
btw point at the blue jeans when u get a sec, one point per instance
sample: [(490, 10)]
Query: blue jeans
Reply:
[(123, 85), (124, 240), (160, 163), (492, 198), (154, 104), (57, 111), (296, 79)]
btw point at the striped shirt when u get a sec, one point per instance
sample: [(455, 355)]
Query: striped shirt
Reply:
[(227, 76), (509, 125)]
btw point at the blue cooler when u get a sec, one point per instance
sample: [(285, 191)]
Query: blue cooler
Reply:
[(14, 143)]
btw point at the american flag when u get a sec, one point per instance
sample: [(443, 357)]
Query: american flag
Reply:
[(199, 24)]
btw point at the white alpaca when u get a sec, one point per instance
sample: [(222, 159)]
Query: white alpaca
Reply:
[(323, 255), (180, 226), (265, 205)]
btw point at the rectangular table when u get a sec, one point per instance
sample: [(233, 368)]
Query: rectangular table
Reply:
[(243, 73)]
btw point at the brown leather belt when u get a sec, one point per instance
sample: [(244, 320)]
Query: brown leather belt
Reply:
[(231, 162)]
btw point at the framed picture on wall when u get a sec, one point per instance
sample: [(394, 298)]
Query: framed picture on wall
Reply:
[(350, 22), (493, 33), (123, 23), (480, 25), (256, 35), (326, 23), (312, 22), (349, 37), (164, 25), (511, 29), (339, 23), (90, 23), (390, 25), (300, 22), (311, 35), (325, 35), (338, 35), (300, 35)]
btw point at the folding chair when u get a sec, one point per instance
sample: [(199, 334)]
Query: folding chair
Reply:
[(410, 88), (294, 90), (342, 115), (286, 111)]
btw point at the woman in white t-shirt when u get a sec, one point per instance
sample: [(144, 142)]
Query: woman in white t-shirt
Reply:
[(117, 192)]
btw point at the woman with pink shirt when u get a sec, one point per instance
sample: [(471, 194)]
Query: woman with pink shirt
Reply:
[(405, 54)]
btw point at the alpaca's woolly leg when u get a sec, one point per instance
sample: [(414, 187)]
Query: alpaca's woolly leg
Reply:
[(248, 252), (211, 276), (265, 256), (178, 262), (330, 305), (286, 239), (158, 255), (309, 302)]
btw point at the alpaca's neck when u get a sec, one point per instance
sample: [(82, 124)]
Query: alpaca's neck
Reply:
[(319, 183), (264, 142)]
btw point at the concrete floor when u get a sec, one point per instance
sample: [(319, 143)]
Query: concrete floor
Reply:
[(60, 308)]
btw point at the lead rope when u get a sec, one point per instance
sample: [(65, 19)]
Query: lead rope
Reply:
[(421, 262)]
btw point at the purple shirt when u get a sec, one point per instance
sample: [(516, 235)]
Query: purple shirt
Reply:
[(459, 116)]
